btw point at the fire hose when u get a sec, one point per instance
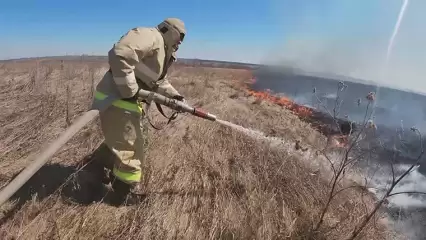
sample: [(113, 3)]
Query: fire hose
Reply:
[(48, 151)]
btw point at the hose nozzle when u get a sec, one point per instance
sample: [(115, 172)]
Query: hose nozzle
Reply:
[(200, 113), (176, 105)]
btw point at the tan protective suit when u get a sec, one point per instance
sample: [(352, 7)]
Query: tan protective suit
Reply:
[(123, 124)]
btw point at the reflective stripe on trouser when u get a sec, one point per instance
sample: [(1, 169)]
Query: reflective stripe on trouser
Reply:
[(127, 177), (125, 134), (134, 107)]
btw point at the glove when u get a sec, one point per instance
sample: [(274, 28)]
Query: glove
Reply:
[(180, 98), (131, 99), (134, 98)]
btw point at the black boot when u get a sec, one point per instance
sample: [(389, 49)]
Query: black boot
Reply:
[(99, 164), (125, 194), (120, 192)]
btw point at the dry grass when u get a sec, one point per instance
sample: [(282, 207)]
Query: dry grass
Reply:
[(205, 181)]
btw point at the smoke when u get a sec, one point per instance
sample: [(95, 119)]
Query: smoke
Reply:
[(394, 106), (390, 48), (406, 211), (352, 38), (413, 182), (395, 32)]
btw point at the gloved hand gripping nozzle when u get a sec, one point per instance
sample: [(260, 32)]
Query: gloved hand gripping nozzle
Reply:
[(175, 104)]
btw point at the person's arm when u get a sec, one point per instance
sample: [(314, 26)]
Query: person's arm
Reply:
[(125, 54), (166, 88)]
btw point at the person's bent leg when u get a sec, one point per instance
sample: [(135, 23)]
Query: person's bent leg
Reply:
[(123, 135)]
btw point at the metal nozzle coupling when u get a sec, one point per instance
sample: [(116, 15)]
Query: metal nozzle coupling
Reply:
[(200, 113), (176, 105)]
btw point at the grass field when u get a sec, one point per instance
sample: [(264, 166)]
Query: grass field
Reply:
[(204, 180)]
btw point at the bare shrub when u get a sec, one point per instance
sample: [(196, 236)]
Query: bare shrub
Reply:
[(48, 70), (68, 106), (348, 154)]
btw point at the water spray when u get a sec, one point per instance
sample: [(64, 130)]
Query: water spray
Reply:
[(389, 52)]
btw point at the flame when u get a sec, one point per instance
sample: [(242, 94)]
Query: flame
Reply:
[(267, 95)]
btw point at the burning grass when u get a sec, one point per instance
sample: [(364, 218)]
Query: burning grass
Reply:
[(204, 181), (297, 109), (322, 122)]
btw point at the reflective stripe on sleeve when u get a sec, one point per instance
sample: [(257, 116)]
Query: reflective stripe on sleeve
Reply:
[(133, 107)]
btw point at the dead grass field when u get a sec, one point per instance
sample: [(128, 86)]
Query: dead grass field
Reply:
[(205, 181)]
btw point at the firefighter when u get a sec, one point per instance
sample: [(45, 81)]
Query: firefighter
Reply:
[(123, 120)]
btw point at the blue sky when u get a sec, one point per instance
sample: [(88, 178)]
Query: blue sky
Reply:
[(342, 36)]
